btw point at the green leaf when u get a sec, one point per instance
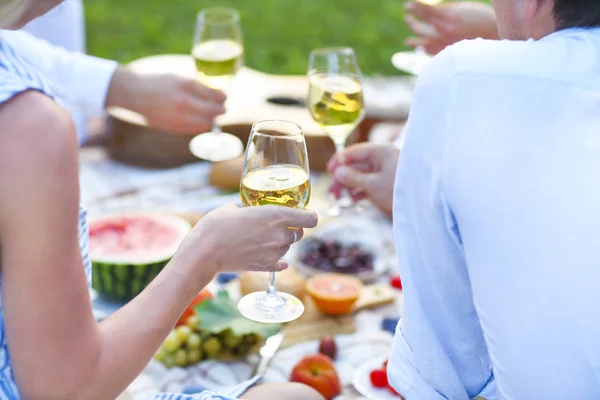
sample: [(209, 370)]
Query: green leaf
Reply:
[(221, 313)]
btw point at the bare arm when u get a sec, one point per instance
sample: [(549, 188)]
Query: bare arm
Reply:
[(169, 102), (58, 351), (45, 291)]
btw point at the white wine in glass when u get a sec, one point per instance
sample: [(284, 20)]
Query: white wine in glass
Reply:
[(217, 61), (275, 172), (219, 54), (335, 100)]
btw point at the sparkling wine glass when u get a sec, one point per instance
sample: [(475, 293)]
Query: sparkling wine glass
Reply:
[(414, 61), (219, 54), (335, 101), (275, 173)]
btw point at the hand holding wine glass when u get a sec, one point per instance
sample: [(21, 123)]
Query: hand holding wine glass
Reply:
[(218, 53), (219, 243), (275, 172), (335, 100)]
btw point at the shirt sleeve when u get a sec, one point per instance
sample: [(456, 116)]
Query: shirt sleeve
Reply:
[(78, 79), (439, 349)]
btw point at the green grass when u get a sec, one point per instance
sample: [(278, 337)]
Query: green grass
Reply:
[(278, 34)]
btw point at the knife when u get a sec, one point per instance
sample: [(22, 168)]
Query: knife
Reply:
[(267, 352)]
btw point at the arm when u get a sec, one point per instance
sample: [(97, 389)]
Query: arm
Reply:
[(439, 349), (78, 79), (91, 84), (46, 291), (58, 351)]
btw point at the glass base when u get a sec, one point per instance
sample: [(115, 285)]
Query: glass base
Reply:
[(269, 309), (343, 206), (216, 146), (413, 62)]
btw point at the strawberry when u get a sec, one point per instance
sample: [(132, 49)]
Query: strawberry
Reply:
[(379, 378), (396, 282)]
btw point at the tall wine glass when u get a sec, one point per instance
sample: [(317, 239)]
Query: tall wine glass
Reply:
[(275, 172), (414, 61), (335, 100), (219, 54)]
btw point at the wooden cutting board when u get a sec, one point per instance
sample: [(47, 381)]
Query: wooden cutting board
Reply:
[(253, 96), (313, 324)]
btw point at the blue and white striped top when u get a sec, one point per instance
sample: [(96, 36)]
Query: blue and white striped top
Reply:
[(17, 74)]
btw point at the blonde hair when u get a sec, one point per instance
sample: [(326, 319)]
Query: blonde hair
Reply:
[(11, 12)]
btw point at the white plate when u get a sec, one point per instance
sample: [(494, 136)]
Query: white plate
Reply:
[(350, 230), (362, 381)]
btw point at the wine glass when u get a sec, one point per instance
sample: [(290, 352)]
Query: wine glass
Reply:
[(219, 54), (335, 101), (275, 173), (416, 60)]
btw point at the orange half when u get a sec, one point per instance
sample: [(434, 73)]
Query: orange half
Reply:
[(334, 294)]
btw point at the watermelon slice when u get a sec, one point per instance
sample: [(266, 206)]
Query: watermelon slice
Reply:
[(128, 250)]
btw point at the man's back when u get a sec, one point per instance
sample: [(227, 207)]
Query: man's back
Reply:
[(506, 177)]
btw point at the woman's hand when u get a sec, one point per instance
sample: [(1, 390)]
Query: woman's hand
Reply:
[(368, 169), (442, 25), (168, 102), (231, 238)]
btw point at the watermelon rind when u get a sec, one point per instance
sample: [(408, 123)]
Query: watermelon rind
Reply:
[(120, 280)]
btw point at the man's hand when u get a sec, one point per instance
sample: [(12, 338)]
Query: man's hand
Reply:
[(369, 169), (440, 26), (168, 102)]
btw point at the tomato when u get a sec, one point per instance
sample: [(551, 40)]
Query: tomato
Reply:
[(189, 311), (379, 378), (396, 282)]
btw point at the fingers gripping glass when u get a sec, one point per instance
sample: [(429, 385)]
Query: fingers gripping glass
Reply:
[(275, 172), (335, 100), (219, 54)]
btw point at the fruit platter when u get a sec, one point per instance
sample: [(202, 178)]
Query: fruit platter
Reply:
[(341, 271), (129, 249)]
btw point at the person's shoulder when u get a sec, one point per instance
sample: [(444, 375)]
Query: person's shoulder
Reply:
[(482, 56), (553, 57), (36, 124)]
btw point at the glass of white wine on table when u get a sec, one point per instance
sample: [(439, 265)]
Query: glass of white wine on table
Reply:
[(275, 172), (335, 101), (414, 61), (219, 54)]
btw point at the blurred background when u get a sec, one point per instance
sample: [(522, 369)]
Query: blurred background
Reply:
[(278, 34)]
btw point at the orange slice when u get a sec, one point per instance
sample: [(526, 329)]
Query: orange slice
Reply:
[(334, 294)]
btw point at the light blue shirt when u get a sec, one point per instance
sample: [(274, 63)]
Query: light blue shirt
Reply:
[(497, 221), (81, 81)]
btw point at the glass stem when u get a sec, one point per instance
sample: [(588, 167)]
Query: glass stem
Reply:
[(345, 199), (216, 126), (339, 150), (271, 286)]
